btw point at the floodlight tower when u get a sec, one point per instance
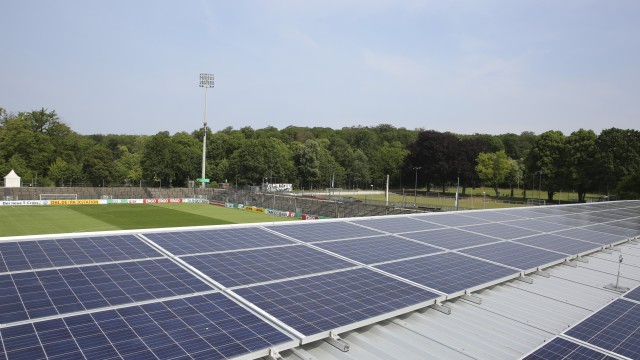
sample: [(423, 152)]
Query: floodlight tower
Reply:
[(206, 81)]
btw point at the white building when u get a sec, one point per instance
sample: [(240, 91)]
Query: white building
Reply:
[(12, 180)]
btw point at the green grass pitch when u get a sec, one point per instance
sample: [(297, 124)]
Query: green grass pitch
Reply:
[(36, 220)]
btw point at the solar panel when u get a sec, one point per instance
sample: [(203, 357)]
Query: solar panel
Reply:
[(631, 224), (609, 229), (448, 272), (567, 221), (616, 328), (204, 241), (591, 236), (561, 349), (501, 231), (538, 225), (31, 295), (527, 213), (559, 244), (518, 256), (320, 231), (377, 249), (321, 303), (450, 219), (260, 265), (492, 215), (40, 254), (397, 225), (633, 294), (450, 238), (209, 326)]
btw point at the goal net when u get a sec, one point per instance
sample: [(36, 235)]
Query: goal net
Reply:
[(58, 196), (535, 202)]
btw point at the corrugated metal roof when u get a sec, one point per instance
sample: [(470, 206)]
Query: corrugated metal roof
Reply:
[(512, 319)]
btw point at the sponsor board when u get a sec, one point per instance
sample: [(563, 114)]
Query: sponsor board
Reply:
[(280, 213), (217, 203), (279, 187), (74, 202), (309, 217), (24, 202)]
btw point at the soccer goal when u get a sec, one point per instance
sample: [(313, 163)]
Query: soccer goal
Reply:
[(58, 196), (535, 202)]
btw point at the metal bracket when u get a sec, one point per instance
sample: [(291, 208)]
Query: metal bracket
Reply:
[(472, 298), (337, 342), (443, 309), (633, 242), (607, 251), (525, 279), (573, 264), (274, 355), (581, 259), (616, 249), (545, 274)]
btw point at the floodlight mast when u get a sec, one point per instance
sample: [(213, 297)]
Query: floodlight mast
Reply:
[(206, 81)]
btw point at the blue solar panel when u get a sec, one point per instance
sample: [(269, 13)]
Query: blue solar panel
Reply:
[(616, 328), (538, 225), (559, 244), (518, 256), (448, 272), (322, 303), (31, 295), (633, 294), (492, 215), (40, 254), (591, 236), (631, 224), (566, 221), (397, 225), (320, 231), (450, 238), (208, 326), (205, 241), (562, 349), (501, 231), (259, 265), (377, 249), (609, 229), (450, 219)]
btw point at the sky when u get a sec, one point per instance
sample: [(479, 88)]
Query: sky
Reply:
[(477, 66)]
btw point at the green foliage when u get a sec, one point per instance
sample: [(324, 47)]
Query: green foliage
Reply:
[(493, 168), (629, 187)]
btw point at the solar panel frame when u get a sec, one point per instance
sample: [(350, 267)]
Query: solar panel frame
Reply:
[(338, 301), (516, 255), (377, 249), (452, 220), (210, 325), (450, 273), (451, 238), (615, 230), (493, 216), (323, 230), (239, 268), (633, 294), (615, 328), (560, 244), (538, 225), (560, 349), (59, 252), (397, 225), (591, 236), (36, 294), (501, 231), (217, 240)]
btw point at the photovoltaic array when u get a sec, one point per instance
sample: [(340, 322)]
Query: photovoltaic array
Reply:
[(238, 291), (612, 330)]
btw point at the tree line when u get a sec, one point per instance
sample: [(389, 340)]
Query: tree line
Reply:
[(46, 152)]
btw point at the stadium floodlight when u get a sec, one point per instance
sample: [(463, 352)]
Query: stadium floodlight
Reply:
[(206, 81)]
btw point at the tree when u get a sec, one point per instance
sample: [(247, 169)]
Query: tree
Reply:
[(618, 155), (548, 160), (629, 187), (582, 150), (437, 154), (493, 168), (306, 160)]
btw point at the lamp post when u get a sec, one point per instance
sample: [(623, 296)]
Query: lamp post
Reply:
[(484, 200), (206, 81), (540, 184), (415, 186)]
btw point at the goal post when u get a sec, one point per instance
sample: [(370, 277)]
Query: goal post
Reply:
[(535, 202), (58, 196)]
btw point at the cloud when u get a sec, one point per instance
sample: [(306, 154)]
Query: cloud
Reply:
[(394, 65)]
